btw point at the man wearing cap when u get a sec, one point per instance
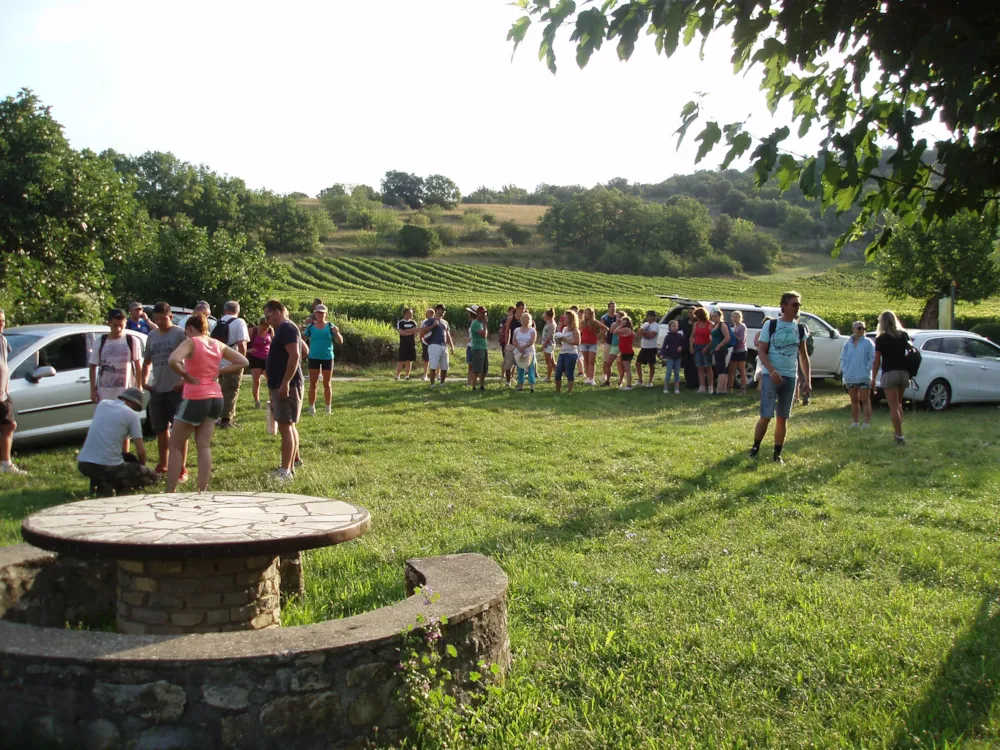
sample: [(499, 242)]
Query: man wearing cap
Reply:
[(137, 320), (102, 461), (439, 341), (478, 360)]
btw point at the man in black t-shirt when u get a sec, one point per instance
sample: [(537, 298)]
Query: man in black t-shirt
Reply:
[(407, 328), (508, 338), (284, 382)]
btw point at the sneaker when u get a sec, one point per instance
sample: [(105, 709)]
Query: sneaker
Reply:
[(183, 477), (312, 411), (482, 387), (397, 377), (531, 390), (606, 384), (9, 468), (256, 405), (329, 408), (225, 424), (666, 390), (854, 426), (649, 385), (753, 454), (866, 425), (407, 377), (779, 460), (434, 385), (624, 388), (677, 391), (898, 440), (282, 475), (297, 463), (424, 378), (701, 390)]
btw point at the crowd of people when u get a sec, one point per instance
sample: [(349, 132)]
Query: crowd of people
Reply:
[(193, 373)]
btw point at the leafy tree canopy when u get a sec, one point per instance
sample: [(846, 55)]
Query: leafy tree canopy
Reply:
[(441, 191), (400, 188), (859, 71)]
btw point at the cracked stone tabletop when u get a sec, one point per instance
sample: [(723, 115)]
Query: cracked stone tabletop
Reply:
[(183, 525)]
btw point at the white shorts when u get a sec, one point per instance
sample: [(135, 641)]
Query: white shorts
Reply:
[(437, 357)]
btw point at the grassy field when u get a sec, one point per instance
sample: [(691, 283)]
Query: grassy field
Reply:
[(664, 591)]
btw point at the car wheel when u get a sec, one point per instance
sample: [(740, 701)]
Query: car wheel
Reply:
[(938, 396)]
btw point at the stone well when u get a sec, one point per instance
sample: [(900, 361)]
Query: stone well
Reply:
[(329, 685)]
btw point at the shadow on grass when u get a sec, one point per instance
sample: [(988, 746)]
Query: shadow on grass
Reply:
[(961, 698)]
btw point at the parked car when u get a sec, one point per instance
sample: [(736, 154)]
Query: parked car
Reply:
[(956, 367), (179, 314), (827, 340), (50, 379)]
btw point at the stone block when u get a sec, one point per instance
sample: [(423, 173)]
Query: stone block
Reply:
[(161, 601), (229, 697), (141, 583), (187, 619), (260, 562), (165, 567), (235, 565), (204, 601), (45, 731), (246, 579), (159, 701), (101, 735), (236, 732), (365, 709), (132, 628), (309, 679), (237, 598), (263, 620), (215, 583), (369, 674), (244, 613), (216, 616), (172, 738), (135, 598), (148, 616), (180, 586), (294, 715), (166, 630), (200, 567), (132, 566)]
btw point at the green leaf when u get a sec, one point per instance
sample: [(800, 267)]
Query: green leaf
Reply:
[(708, 137), (591, 26), (452, 651), (738, 146), (688, 115), (788, 172), (517, 32)]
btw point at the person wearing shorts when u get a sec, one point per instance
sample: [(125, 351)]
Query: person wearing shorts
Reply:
[(284, 383), (549, 342), (780, 354), (407, 329), (321, 335), (439, 342), (647, 333), (260, 345), (738, 356), (701, 349), (569, 338), (720, 348), (163, 384), (610, 350), (424, 334), (199, 363), (891, 345), (8, 422), (626, 351), (479, 343), (856, 361)]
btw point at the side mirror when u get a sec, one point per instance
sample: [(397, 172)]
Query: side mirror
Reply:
[(834, 334), (42, 372)]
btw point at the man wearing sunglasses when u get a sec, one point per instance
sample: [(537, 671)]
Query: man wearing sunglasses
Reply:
[(781, 351)]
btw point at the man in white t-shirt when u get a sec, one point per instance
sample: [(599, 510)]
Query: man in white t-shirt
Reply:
[(114, 363), (102, 461), (648, 333), (231, 330)]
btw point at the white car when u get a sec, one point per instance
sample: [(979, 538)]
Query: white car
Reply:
[(956, 367), (50, 379), (827, 340)]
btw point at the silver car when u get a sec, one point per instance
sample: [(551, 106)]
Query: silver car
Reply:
[(50, 379)]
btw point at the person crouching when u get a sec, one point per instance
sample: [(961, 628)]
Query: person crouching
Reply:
[(101, 460)]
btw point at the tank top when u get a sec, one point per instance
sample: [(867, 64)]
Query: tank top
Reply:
[(204, 365), (568, 347), (717, 335), (701, 334), (260, 345), (739, 334), (522, 336), (626, 344), (588, 334)]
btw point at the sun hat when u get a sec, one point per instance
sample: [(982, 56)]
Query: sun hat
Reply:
[(132, 394), (319, 308), (134, 306), (524, 360)]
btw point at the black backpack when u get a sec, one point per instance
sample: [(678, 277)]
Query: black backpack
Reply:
[(804, 334), (221, 331), (912, 358)]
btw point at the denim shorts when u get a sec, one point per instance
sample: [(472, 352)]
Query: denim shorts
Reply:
[(588, 348), (776, 398), (701, 359)]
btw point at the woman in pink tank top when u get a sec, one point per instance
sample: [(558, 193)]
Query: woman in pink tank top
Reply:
[(198, 361)]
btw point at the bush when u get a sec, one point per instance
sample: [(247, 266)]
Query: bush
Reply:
[(386, 222), (418, 242), (756, 251), (715, 265), (518, 235), (488, 217), (360, 216), (989, 330), (420, 220), (475, 226), (434, 212), (447, 234), (367, 341), (367, 240), (324, 225)]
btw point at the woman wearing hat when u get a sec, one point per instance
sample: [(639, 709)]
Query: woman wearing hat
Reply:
[(197, 362), (524, 352), (321, 334)]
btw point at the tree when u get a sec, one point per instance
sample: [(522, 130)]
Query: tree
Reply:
[(66, 217), (418, 242), (288, 227), (440, 191), (402, 189), (186, 264), (922, 264), (895, 67)]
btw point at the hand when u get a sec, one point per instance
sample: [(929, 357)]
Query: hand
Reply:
[(776, 378), (189, 378), (873, 385), (180, 386), (806, 388), (93, 397), (283, 390)]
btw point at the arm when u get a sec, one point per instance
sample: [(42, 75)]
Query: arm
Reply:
[(869, 356), (725, 338), (448, 339), (147, 365), (806, 369), (766, 363), (236, 359), (93, 383), (294, 357), (140, 450), (176, 361), (337, 335), (136, 368), (876, 365)]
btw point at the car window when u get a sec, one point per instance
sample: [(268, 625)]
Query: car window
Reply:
[(982, 349), (19, 341), (932, 345), (753, 318), (66, 353), (815, 327), (678, 314), (953, 345)]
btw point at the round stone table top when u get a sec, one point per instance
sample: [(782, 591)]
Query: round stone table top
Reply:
[(184, 525)]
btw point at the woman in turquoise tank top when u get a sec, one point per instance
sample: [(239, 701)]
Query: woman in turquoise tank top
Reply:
[(321, 334)]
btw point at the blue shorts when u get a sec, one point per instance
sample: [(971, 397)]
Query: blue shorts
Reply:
[(588, 348), (701, 359), (776, 398)]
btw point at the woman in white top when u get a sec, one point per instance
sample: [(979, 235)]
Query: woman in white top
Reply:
[(524, 354), (569, 337)]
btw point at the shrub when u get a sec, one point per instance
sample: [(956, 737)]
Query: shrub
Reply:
[(361, 216), (475, 226), (367, 341), (418, 242), (447, 234), (386, 222), (367, 240), (518, 235), (989, 330), (756, 251), (325, 227), (487, 216), (714, 265), (420, 220), (434, 212)]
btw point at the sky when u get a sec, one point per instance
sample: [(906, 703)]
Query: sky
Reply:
[(298, 95)]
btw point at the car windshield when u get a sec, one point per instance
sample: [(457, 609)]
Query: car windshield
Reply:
[(20, 341)]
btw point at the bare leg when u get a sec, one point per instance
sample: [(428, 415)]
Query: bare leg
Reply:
[(289, 444), (256, 385), (178, 441), (6, 440), (638, 372), (855, 405), (327, 388), (442, 374), (163, 447), (866, 403), (203, 441), (313, 382), (780, 428), (761, 429), (743, 377), (722, 385), (895, 398)]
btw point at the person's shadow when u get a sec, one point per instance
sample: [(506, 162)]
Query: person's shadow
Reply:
[(960, 700)]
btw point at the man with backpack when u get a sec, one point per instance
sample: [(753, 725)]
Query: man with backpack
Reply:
[(781, 350), (232, 331)]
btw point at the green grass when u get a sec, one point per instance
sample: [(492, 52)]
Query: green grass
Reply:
[(664, 592)]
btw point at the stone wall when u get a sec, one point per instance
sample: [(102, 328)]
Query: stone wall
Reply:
[(330, 685)]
